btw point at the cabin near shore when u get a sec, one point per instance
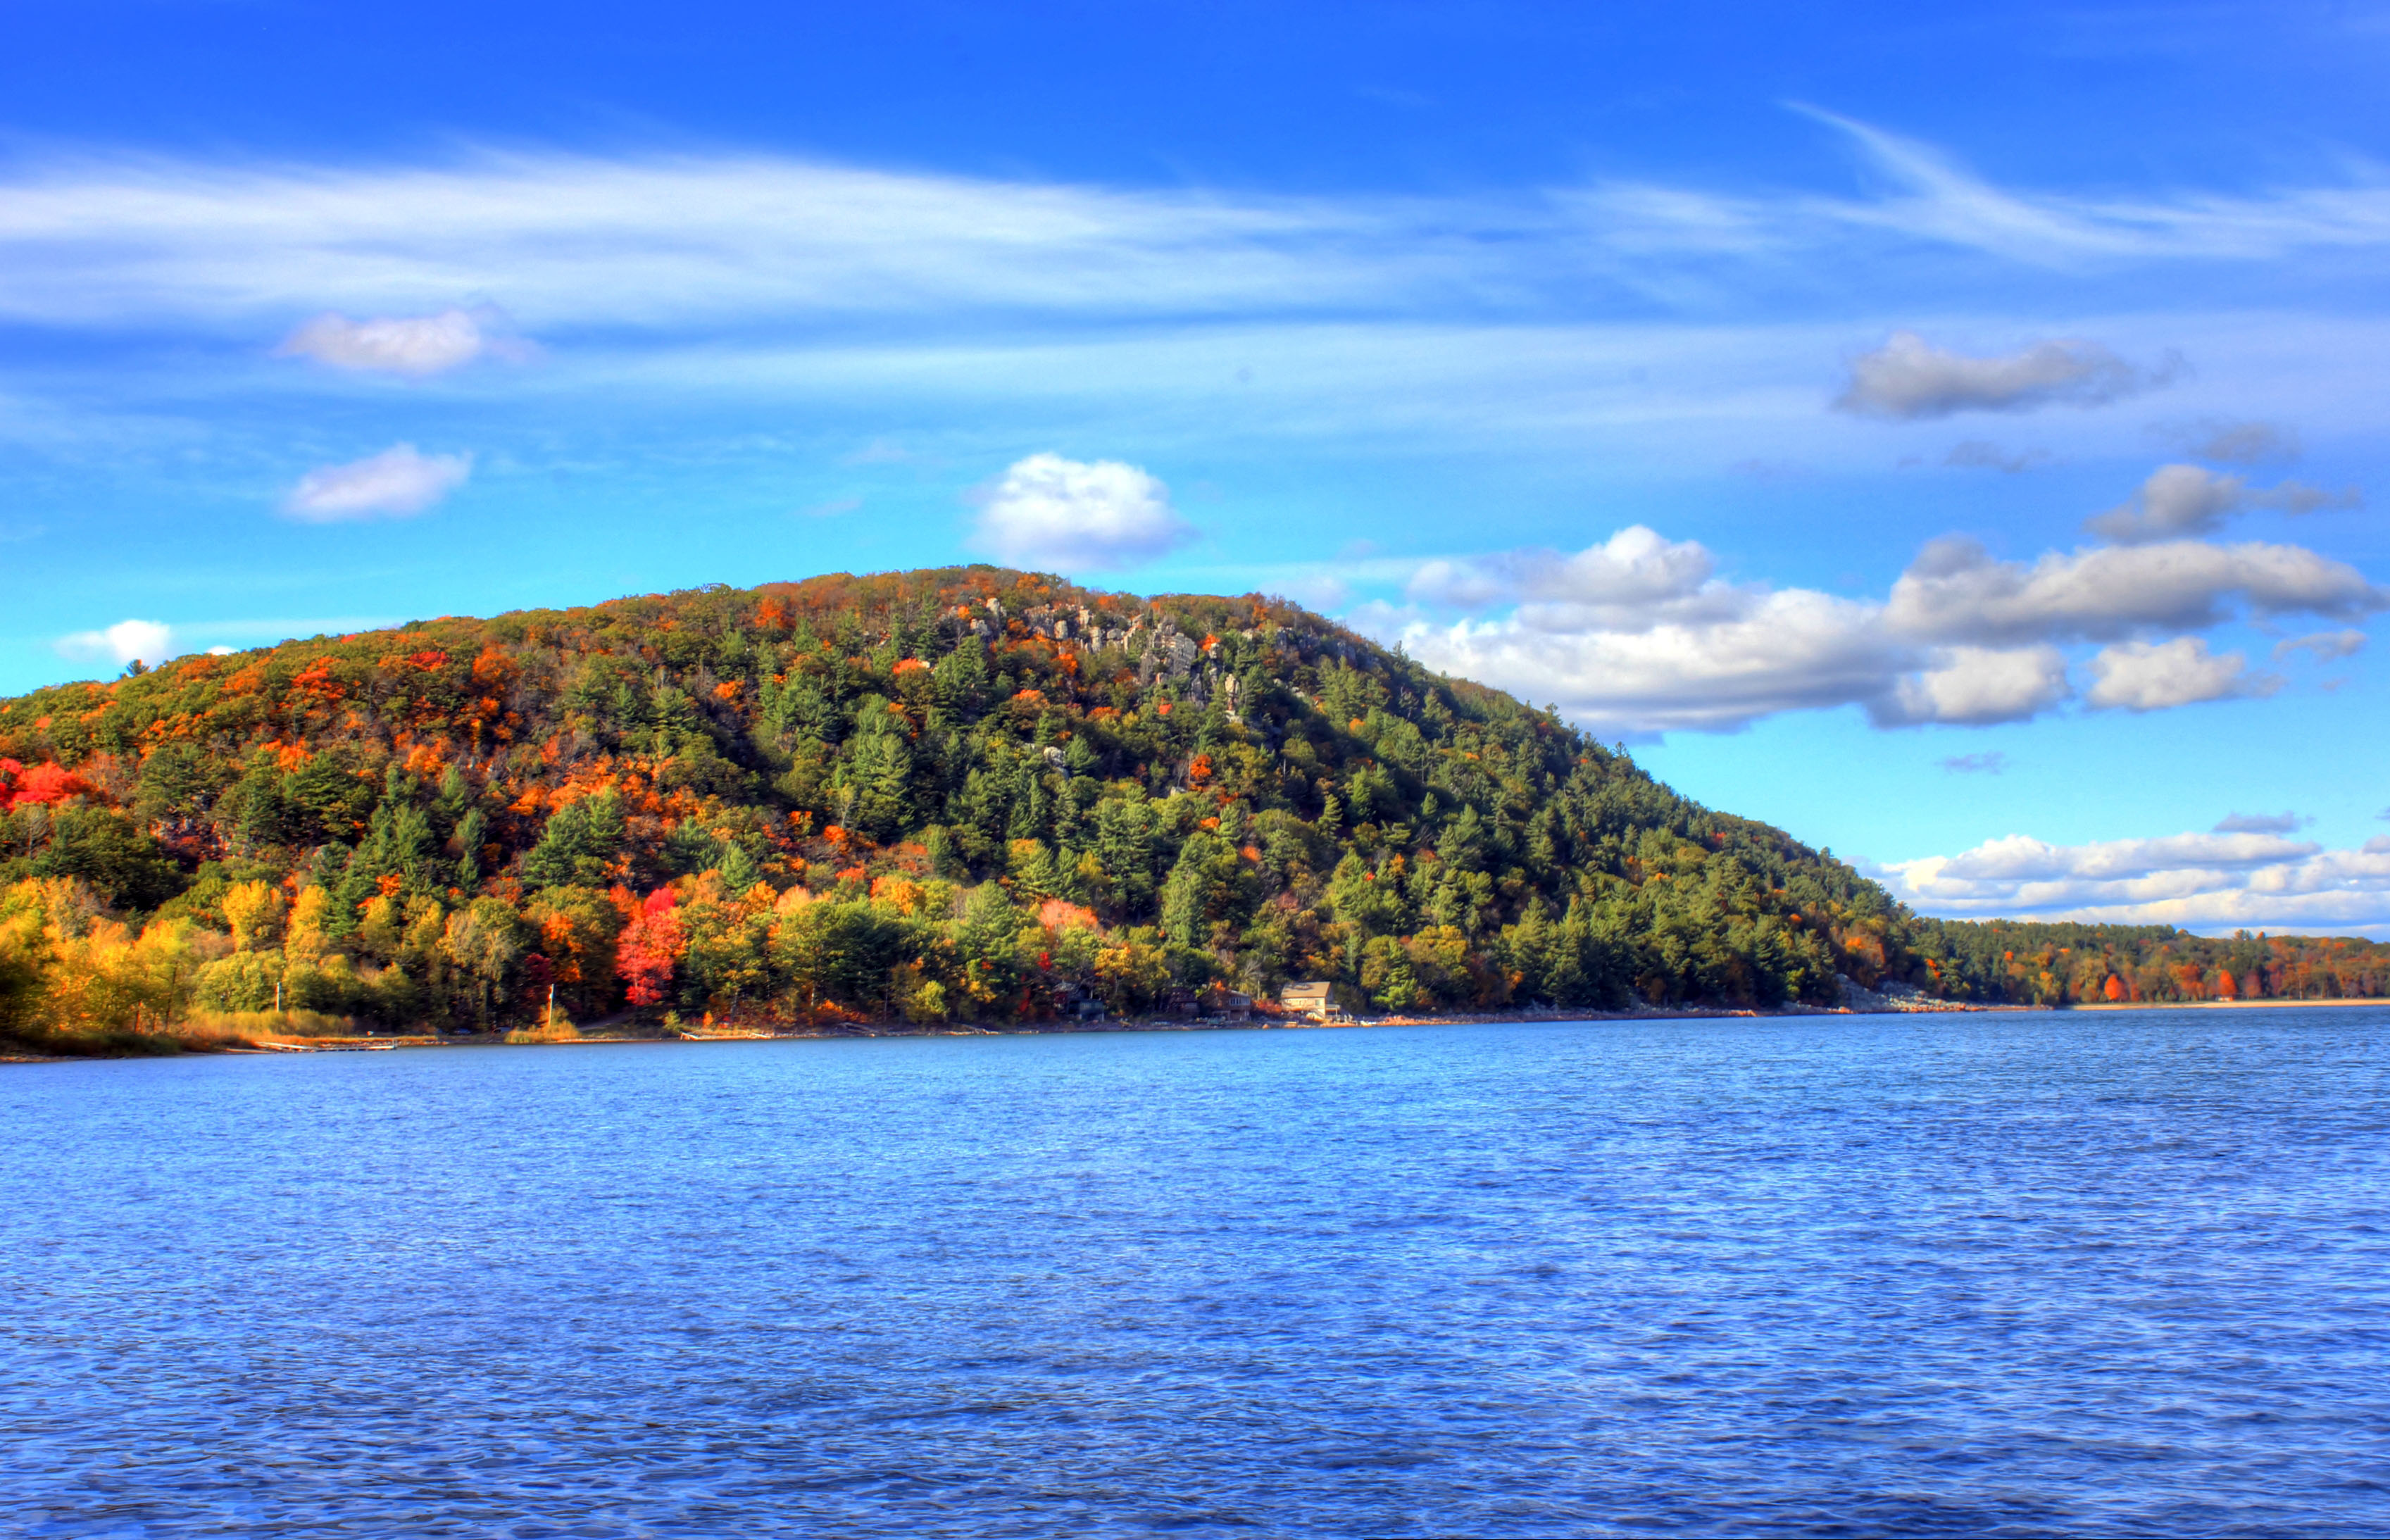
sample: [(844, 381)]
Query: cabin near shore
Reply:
[(1315, 1000)]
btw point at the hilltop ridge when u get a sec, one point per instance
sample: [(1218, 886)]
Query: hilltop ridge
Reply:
[(958, 793)]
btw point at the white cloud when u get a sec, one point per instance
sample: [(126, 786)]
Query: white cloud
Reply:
[(410, 345), (1762, 653), (2215, 881), (1638, 634), (1464, 585), (150, 641), (659, 240), (1078, 515), (154, 642), (640, 241), (1631, 582), (2262, 822), (1938, 199), (2175, 500), (1954, 591), (2154, 676), (1993, 763), (2324, 647), (1977, 687), (399, 481), (2187, 499), (1908, 378)]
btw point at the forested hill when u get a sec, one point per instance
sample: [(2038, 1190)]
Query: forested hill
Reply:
[(926, 795)]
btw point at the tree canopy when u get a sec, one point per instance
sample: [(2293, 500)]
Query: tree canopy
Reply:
[(951, 794)]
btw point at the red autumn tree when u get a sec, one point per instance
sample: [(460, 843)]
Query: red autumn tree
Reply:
[(44, 783), (649, 944)]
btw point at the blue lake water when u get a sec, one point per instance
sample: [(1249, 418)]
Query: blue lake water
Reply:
[(2023, 1274)]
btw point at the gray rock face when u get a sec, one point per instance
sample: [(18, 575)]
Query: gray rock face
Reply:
[(1892, 997), (1858, 996)]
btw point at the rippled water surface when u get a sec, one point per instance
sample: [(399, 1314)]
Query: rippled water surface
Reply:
[(2028, 1274)]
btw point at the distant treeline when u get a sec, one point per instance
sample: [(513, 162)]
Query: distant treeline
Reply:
[(2057, 963), (965, 793)]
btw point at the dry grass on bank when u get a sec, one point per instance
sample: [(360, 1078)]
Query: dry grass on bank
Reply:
[(560, 1031), (201, 1031)]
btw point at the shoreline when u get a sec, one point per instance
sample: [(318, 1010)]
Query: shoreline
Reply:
[(268, 1046), (380, 1044)]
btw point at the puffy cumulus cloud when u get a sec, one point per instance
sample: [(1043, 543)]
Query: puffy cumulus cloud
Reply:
[(2324, 647), (2155, 676), (2262, 822), (2180, 500), (1762, 652), (399, 482), (2176, 500), (1978, 686), (1631, 582), (1078, 515), (1465, 585), (2018, 859), (1639, 633), (1908, 378), (150, 641), (2213, 881), (410, 345), (1957, 593)]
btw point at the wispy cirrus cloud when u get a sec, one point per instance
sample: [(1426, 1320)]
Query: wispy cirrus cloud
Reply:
[(1936, 197), (2322, 646), (656, 240)]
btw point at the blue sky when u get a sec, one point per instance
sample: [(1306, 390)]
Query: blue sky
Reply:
[(1956, 438)]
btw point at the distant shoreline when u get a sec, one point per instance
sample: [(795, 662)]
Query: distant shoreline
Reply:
[(2270, 1002)]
